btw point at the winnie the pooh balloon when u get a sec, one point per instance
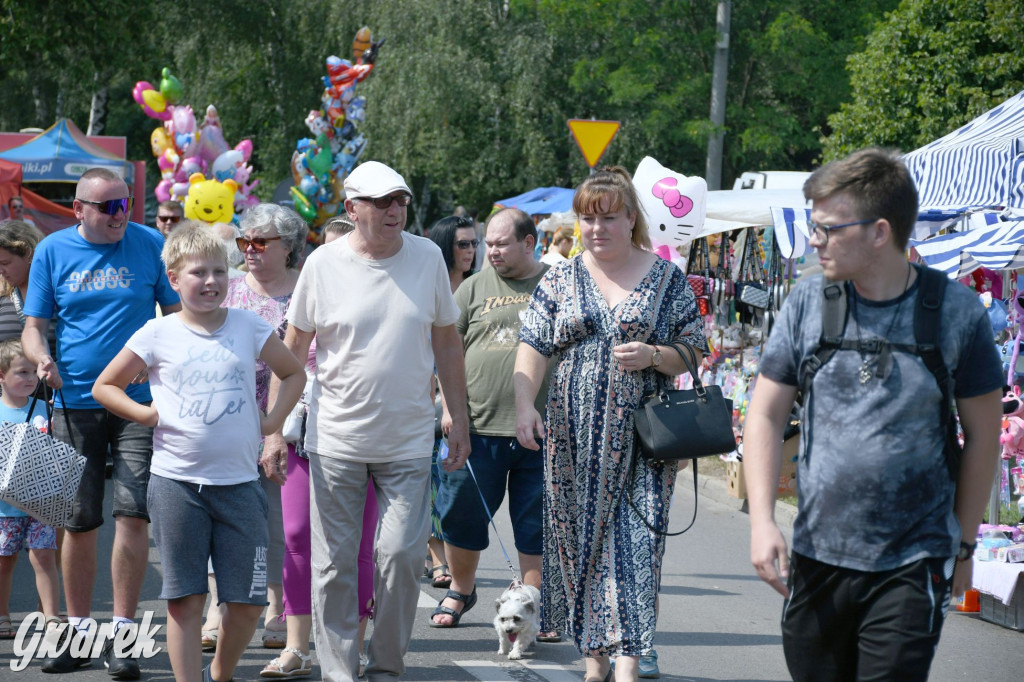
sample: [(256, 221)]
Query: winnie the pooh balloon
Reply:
[(675, 204), (209, 200)]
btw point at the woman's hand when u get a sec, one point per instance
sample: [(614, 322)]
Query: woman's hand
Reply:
[(634, 356), (529, 427), (274, 459)]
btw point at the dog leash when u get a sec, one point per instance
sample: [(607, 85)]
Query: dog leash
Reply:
[(516, 580)]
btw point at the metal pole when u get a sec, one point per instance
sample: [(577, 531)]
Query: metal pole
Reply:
[(713, 172)]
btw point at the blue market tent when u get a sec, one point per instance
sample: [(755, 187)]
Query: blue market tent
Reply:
[(997, 246), (541, 201), (61, 154), (980, 164)]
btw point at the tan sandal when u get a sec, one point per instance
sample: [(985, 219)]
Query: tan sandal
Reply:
[(7, 629), (276, 668), (210, 639)]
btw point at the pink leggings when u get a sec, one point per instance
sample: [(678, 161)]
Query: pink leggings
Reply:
[(296, 571)]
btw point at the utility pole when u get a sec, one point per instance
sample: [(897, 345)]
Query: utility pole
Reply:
[(713, 172)]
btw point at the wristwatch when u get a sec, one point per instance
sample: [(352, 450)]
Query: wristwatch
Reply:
[(656, 358), (966, 551)]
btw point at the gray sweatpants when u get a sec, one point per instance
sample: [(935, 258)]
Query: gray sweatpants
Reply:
[(337, 497)]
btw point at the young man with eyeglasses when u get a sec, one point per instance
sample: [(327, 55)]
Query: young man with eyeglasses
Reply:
[(103, 278), (885, 533), (380, 305), (168, 215)]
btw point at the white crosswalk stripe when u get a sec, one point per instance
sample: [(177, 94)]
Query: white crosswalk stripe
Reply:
[(427, 600), (512, 671)]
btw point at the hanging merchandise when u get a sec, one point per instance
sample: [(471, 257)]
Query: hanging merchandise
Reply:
[(752, 295), (698, 274)]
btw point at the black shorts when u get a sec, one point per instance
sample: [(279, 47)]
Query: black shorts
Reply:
[(841, 624)]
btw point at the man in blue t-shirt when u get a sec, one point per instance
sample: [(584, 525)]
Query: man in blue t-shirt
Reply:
[(884, 534), (102, 279)]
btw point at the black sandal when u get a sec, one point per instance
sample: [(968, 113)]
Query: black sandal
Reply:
[(469, 602), (442, 581)]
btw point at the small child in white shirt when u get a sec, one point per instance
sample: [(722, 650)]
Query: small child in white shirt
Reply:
[(204, 497)]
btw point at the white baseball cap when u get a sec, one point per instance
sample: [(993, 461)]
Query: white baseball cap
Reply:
[(373, 179)]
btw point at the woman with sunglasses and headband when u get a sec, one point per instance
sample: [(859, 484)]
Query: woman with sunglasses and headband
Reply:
[(456, 236), (272, 243)]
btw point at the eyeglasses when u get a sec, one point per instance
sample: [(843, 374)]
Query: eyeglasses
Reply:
[(111, 206), (385, 202), (169, 218), (465, 244), (258, 244), (822, 231)]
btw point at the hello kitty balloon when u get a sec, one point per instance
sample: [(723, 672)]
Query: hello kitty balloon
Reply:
[(675, 204)]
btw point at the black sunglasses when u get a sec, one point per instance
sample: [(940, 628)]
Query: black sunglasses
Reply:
[(258, 244), (467, 243), (385, 202), (169, 218), (112, 206)]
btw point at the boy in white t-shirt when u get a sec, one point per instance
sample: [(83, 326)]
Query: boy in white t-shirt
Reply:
[(204, 495), (17, 529)]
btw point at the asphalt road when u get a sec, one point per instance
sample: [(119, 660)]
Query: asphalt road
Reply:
[(718, 621)]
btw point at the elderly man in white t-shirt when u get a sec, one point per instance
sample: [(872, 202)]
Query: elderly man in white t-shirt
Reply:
[(379, 303)]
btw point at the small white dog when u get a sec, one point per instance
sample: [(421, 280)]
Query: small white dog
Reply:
[(518, 620)]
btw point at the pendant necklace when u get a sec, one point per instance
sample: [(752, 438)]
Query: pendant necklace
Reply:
[(882, 364)]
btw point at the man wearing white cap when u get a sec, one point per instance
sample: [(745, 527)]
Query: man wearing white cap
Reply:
[(379, 302)]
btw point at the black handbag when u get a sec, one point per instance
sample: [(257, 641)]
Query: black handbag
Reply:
[(682, 424), (677, 424)]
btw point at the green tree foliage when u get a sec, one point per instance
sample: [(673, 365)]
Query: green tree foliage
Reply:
[(470, 97), (928, 69)]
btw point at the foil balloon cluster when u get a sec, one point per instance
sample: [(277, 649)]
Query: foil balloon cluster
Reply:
[(320, 163), (182, 148)]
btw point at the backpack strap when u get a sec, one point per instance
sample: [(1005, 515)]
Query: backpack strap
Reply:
[(833, 327), (927, 314)]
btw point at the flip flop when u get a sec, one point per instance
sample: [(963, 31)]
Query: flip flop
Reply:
[(469, 602), (443, 581)]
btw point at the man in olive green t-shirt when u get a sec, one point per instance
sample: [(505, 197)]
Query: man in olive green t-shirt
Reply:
[(491, 302)]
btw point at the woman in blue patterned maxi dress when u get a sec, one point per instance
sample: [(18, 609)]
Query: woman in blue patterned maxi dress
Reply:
[(607, 317)]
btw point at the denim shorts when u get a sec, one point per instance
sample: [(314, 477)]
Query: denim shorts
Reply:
[(495, 461), (225, 525), (17, 532), (94, 432)]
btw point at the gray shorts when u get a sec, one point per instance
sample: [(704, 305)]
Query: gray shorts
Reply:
[(94, 433), (226, 524)]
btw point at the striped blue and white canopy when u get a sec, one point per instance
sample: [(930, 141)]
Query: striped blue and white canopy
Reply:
[(979, 164), (997, 247)]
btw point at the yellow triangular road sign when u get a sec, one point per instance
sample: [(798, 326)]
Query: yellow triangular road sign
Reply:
[(593, 137)]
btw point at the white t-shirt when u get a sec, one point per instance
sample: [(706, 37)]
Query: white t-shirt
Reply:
[(552, 257), (204, 387), (373, 319)]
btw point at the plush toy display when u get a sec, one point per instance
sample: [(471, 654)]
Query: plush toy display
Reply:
[(1012, 437), (209, 200)]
